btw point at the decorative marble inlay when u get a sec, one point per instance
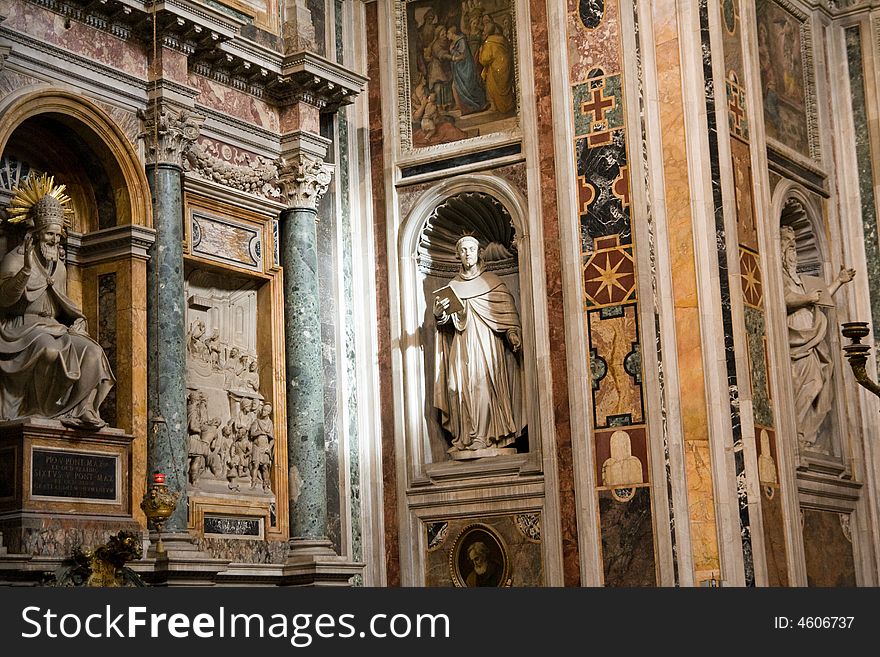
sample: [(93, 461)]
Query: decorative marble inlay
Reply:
[(598, 106), (622, 450), (107, 337), (609, 275), (627, 538), (530, 525), (747, 230), (591, 12), (750, 275), (436, 533), (603, 202), (226, 240), (617, 395), (737, 119)]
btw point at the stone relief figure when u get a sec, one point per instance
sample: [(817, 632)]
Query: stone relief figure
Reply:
[(622, 468), (811, 366), (195, 341), (49, 366), (262, 434), (478, 373), (251, 378)]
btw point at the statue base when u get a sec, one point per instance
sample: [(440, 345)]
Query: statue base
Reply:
[(486, 452), (62, 487), (179, 563), (313, 562)]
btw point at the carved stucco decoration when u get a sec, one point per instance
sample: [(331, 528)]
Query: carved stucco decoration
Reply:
[(253, 174), (304, 179), (168, 133)]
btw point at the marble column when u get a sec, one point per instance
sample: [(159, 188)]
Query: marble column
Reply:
[(169, 132), (304, 179)]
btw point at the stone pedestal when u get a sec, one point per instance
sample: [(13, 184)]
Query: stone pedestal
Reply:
[(313, 562), (61, 488), (180, 563)]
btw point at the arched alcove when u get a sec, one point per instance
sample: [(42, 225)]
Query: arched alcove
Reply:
[(815, 370), (492, 212)]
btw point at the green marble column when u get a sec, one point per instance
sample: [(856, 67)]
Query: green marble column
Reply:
[(166, 357), (305, 390)]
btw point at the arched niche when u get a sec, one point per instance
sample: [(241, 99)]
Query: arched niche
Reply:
[(490, 210), (798, 210), (70, 137), (64, 134)]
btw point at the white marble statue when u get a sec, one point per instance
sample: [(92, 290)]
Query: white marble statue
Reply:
[(478, 375), (49, 366), (811, 366)]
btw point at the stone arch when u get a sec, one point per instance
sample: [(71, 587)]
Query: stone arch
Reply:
[(76, 132)]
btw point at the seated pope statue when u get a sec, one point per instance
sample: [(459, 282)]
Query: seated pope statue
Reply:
[(49, 366), (477, 371)]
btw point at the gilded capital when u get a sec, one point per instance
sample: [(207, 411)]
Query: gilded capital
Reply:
[(304, 179), (168, 133)]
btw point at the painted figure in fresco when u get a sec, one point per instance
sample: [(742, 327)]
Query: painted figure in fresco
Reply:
[(622, 468), (262, 434), (496, 59), (811, 366), (438, 59), (466, 85), (426, 30), (49, 366), (486, 571), (477, 378)]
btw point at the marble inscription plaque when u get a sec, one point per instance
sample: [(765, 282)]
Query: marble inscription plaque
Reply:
[(81, 475), (236, 527)]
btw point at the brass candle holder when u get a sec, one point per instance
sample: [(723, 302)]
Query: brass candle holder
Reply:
[(857, 353), (158, 505)]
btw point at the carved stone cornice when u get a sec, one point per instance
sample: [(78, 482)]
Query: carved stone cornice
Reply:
[(184, 25), (304, 179), (168, 133)]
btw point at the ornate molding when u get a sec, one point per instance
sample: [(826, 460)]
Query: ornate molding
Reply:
[(169, 133), (304, 179), (233, 168)]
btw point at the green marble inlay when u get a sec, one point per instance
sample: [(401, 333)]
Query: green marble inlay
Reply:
[(598, 105), (866, 177), (758, 367), (350, 349)]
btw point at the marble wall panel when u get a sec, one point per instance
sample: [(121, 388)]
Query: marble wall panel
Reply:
[(627, 539), (520, 537), (865, 167), (747, 230), (609, 274), (731, 21), (598, 104), (828, 548), (227, 241), (616, 366), (757, 345), (603, 186), (774, 536), (593, 37), (235, 103), (107, 338), (77, 37), (605, 456)]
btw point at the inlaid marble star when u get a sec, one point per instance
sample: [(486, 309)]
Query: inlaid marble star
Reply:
[(608, 278)]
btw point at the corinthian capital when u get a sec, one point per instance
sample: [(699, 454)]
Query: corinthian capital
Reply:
[(303, 180), (168, 133)]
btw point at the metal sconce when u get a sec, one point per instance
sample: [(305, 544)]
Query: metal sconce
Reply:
[(857, 353)]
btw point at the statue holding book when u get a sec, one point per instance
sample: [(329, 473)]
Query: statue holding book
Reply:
[(812, 369), (477, 363)]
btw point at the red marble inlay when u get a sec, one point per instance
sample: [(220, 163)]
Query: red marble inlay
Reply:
[(555, 305), (383, 312)]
